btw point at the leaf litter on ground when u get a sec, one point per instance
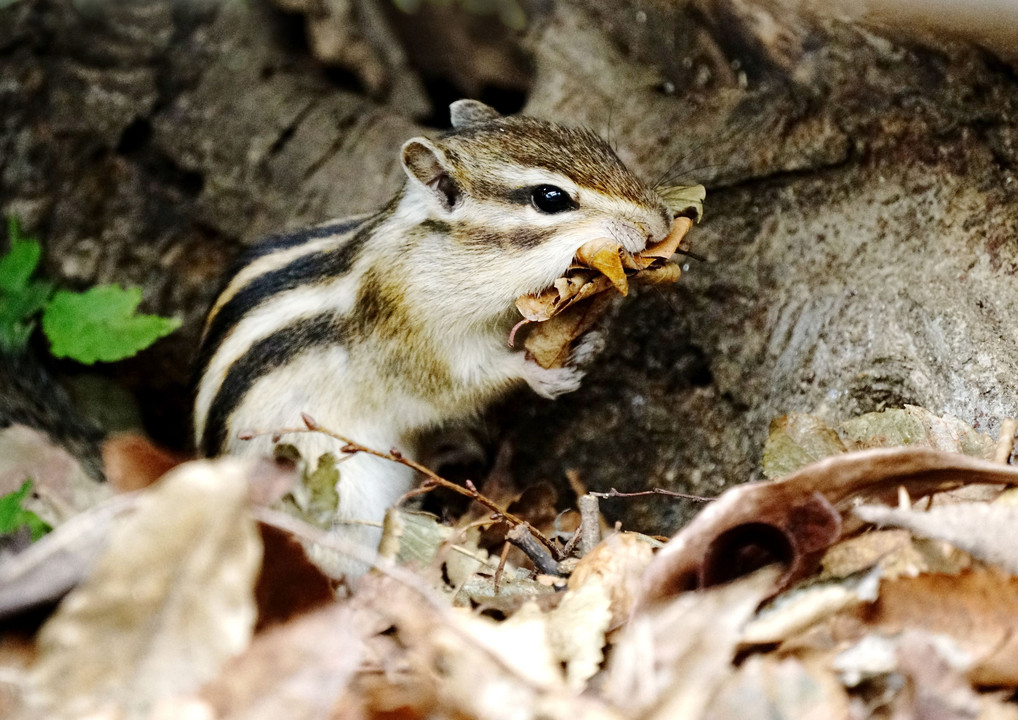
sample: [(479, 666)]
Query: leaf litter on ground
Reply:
[(849, 620)]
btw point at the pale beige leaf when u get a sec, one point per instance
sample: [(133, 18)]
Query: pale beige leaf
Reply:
[(617, 562), (521, 642), (297, 670), (683, 198), (983, 530), (768, 688), (166, 604), (794, 611), (670, 660), (576, 631), (60, 485)]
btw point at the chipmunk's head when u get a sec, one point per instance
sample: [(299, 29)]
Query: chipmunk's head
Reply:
[(518, 196)]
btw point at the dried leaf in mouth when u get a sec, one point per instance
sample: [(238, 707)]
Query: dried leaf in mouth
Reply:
[(551, 346), (605, 257), (600, 265)]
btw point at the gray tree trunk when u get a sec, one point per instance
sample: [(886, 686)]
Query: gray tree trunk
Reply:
[(860, 229)]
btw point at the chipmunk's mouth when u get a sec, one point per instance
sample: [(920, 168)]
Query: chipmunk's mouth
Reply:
[(574, 301)]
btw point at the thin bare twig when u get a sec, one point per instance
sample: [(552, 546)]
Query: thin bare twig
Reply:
[(432, 478), (613, 493), (522, 537), (501, 565)]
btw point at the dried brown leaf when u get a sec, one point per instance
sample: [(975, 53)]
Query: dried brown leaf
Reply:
[(289, 584), (132, 461), (796, 518), (550, 342), (662, 251), (977, 608), (605, 256), (167, 603)]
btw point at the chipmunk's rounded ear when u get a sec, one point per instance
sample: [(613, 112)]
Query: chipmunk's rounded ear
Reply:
[(470, 112), (426, 164)]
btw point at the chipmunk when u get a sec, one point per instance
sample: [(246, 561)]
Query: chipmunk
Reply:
[(384, 326)]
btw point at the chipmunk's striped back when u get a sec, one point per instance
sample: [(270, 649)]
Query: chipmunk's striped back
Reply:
[(263, 317)]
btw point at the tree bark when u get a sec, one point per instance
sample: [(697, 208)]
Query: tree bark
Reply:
[(860, 226)]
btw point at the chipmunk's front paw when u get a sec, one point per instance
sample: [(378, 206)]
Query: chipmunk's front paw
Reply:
[(587, 348), (551, 382)]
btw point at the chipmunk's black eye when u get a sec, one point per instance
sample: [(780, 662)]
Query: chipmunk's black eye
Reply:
[(551, 199)]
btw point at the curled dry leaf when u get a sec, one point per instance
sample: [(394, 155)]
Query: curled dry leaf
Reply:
[(795, 519), (600, 265)]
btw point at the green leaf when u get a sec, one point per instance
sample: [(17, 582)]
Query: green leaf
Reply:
[(17, 314), (17, 266), (21, 298), (101, 324), (13, 516)]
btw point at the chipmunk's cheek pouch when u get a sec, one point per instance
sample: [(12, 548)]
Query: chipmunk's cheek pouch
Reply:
[(572, 305), (426, 166)]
